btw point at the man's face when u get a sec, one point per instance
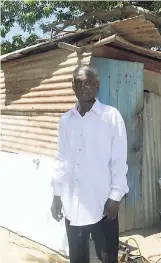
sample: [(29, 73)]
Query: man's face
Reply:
[(85, 85)]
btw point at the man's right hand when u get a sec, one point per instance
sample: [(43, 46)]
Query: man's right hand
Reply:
[(56, 208)]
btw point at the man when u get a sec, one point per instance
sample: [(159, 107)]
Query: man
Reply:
[(90, 178)]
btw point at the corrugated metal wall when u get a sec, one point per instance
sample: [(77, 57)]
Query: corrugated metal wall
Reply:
[(2, 88), (152, 81), (151, 158), (37, 90)]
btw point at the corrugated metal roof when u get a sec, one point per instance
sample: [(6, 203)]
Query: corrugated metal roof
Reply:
[(119, 42), (151, 158), (137, 30)]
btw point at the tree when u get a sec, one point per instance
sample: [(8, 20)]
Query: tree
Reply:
[(80, 15), (17, 42)]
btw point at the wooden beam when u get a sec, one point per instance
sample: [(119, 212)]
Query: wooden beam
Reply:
[(136, 48), (99, 43), (106, 32), (115, 53), (87, 48), (68, 47)]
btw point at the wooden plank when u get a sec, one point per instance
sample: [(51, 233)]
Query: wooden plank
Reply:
[(117, 95), (123, 89), (139, 216), (131, 106), (102, 69), (134, 197), (113, 77)]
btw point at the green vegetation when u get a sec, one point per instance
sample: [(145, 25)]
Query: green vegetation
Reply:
[(81, 15)]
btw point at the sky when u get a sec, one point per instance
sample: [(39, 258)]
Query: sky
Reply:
[(16, 30)]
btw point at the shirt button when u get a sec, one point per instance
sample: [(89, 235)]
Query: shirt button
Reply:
[(81, 134), (77, 180), (79, 150), (77, 164)]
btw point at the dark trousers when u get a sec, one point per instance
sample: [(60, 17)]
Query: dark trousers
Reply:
[(106, 238)]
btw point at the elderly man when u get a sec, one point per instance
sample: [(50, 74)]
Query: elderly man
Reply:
[(90, 178)]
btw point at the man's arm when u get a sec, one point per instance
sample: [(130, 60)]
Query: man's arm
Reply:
[(118, 165), (58, 177)]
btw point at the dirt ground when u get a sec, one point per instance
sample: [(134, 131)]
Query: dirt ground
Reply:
[(15, 249), (149, 241)]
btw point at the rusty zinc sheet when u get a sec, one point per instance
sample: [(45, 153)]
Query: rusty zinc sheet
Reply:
[(151, 158), (138, 30), (2, 86), (37, 91), (152, 82)]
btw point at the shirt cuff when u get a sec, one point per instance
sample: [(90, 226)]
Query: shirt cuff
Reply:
[(57, 190), (116, 195)]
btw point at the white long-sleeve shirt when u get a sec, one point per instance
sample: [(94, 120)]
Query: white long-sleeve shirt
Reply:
[(91, 163)]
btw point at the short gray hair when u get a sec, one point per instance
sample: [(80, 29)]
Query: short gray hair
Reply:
[(84, 69)]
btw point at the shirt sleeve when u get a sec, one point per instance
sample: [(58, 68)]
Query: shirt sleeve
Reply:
[(118, 160), (59, 173)]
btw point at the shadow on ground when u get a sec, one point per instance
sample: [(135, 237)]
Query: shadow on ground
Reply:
[(143, 232)]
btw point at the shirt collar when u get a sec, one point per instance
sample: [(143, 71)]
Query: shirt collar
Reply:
[(95, 108)]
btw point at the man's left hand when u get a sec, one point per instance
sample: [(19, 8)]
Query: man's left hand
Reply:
[(111, 209)]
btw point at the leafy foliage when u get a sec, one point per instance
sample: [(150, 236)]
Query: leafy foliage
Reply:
[(17, 42), (26, 13)]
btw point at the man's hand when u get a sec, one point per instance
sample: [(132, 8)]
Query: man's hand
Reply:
[(111, 209), (56, 208)]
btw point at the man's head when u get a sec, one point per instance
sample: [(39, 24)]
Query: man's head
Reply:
[(85, 83)]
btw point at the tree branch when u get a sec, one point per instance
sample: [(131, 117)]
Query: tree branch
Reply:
[(131, 9), (86, 16), (68, 47), (119, 12)]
